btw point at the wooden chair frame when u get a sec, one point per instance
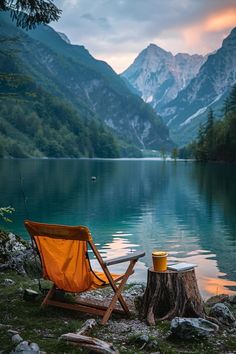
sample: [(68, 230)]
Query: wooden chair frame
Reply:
[(82, 306)]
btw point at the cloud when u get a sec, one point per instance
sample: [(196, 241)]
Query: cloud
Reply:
[(117, 30), (205, 33), (221, 21), (88, 17)]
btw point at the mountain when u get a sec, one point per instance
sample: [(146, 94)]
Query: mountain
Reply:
[(183, 87), (64, 37), (89, 86), (158, 75), (208, 89)]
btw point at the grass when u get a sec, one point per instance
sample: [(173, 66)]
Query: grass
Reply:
[(45, 326), (42, 326)]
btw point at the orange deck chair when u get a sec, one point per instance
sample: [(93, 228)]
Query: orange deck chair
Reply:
[(64, 258)]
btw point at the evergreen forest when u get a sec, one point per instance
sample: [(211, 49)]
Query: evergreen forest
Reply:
[(216, 139)]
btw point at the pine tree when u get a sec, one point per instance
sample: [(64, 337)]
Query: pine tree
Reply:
[(175, 153), (29, 13), (232, 100), (209, 135), (200, 152)]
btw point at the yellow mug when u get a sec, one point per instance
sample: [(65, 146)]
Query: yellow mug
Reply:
[(159, 259)]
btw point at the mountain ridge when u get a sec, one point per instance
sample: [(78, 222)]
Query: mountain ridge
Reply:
[(208, 89), (158, 75), (91, 86), (183, 102)]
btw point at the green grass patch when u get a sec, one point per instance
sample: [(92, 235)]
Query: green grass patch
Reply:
[(42, 326)]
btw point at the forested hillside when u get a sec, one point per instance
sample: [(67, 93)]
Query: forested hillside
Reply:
[(58, 101), (34, 123), (216, 139), (45, 126)]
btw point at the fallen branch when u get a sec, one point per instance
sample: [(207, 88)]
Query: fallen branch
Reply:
[(94, 344), (89, 324)]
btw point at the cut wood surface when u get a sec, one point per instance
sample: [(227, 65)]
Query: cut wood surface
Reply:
[(169, 294)]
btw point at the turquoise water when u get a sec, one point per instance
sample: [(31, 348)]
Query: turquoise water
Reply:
[(185, 208)]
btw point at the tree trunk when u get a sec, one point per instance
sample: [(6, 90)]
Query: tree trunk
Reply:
[(169, 294)]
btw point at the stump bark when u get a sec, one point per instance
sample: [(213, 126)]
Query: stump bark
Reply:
[(169, 294)]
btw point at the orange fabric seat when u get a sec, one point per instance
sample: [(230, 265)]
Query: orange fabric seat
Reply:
[(66, 263)]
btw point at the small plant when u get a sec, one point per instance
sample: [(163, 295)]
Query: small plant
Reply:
[(4, 211)]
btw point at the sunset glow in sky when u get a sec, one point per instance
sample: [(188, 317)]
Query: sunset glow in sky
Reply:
[(117, 30)]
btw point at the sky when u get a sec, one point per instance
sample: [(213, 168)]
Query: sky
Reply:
[(116, 31)]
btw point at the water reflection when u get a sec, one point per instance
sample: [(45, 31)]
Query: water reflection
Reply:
[(186, 209)]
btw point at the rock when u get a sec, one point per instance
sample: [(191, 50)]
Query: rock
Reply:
[(188, 328), (135, 290), (18, 254), (232, 299), (143, 339), (16, 338), (216, 299), (26, 348), (153, 345), (34, 347), (8, 282), (3, 267), (32, 266), (223, 314)]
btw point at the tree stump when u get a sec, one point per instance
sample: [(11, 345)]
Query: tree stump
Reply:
[(169, 294)]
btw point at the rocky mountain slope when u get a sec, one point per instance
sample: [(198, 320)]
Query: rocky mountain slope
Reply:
[(182, 88), (90, 86), (158, 75), (207, 90)]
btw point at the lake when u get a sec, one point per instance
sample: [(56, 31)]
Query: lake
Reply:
[(185, 208)]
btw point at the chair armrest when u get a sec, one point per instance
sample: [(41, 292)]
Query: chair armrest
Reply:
[(131, 256)]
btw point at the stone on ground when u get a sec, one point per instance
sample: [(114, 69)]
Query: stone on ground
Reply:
[(26, 348), (223, 314), (188, 328)]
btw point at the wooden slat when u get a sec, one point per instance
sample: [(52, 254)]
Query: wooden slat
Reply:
[(101, 307), (36, 229), (129, 257), (76, 307), (84, 307)]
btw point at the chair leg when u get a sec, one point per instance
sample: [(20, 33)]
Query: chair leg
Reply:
[(117, 295), (48, 296), (115, 287)]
